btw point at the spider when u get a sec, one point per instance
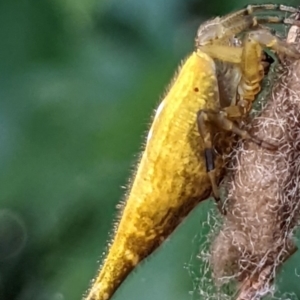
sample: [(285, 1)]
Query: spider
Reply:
[(171, 178)]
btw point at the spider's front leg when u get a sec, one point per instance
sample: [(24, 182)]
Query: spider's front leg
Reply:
[(249, 59), (221, 119)]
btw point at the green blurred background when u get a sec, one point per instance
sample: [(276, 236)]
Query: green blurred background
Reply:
[(79, 82)]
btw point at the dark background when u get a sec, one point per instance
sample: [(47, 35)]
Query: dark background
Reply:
[(78, 83)]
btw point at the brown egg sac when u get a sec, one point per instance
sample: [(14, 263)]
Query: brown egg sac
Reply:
[(262, 204)]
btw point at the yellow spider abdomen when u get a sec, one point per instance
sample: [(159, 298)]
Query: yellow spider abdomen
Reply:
[(171, 177)]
